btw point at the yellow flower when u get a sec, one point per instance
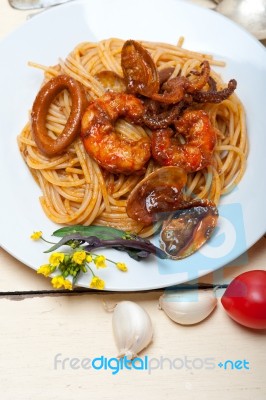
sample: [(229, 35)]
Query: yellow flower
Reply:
[(59, 281), (56, 258), (97, 283), (79, 256), (121, 266), (67, 284), (36, 235), (44, 270), (99, 261), (89, 258)]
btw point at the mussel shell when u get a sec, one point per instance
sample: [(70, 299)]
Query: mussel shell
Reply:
[(139, 69), (159, 192), (186, 230)]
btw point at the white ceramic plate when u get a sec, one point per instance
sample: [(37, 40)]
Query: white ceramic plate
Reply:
[(53, 34)]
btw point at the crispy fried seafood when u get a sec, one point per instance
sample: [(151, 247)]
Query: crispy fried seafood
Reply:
[(115, 118)]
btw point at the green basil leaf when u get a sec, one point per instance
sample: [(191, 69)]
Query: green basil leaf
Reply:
[(102, 232)]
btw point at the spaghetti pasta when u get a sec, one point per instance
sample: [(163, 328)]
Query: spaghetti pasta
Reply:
[(75, 190)]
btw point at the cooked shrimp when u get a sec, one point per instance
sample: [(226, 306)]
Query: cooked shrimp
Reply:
[(196, 153), (104, 144)]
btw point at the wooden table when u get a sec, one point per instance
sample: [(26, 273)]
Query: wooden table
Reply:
[(40, 325)]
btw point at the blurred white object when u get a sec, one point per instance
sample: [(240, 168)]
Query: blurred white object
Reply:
[(251, 14), (34, 4)]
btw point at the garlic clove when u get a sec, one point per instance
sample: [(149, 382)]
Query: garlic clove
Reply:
[(188, 307), (132, 328)]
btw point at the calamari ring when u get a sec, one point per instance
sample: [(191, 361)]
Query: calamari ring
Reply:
[(46, 95)]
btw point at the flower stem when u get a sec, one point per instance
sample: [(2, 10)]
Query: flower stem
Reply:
[(47, 241), (107, 259), (93, 274)]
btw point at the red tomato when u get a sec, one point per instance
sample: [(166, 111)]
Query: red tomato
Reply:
[(245, 299)]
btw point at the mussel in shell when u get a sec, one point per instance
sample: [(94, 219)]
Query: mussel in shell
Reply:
[(158, 193), (139, 69), (187, 229)]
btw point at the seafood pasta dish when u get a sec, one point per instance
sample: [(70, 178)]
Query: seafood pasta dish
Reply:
[(123, 132)]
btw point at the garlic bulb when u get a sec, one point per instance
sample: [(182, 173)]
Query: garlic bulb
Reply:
[(188, 307), (132, 328)]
